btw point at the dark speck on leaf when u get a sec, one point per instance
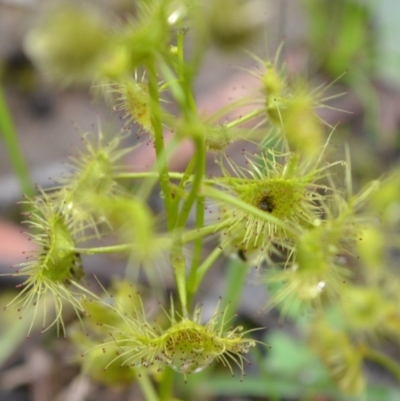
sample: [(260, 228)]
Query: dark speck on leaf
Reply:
[(266, 204), (242, 255)]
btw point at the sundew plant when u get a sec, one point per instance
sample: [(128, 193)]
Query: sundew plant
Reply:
[(286, 209)]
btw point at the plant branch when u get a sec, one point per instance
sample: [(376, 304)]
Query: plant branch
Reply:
[(196, 275), (388, 363), (104, 249), (159, 139)]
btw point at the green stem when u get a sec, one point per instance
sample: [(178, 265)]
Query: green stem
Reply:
[(9, 134), (186, 238), (236, 278), (145, 174), (179, 264), (152, 179), (189, 111), (147, 388), (159, 139), (199, 218), (172, 175), (179, 217), (166, 385), (202, 232), (177, 258), (173, 83), (104, 249), (390, 364), (245, 118), (197, 181), (184, 76), (185, 177), (196, 275), (180, 45), (224, 111), (198, 243)]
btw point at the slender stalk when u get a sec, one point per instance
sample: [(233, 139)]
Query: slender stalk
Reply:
[(185, 177), (177, 218), (245, 118), (172, 175), (390, 364), (173, 83), (144, 175), (181, 56), (224, 111), (179, 264), (189, 111), (198, 243), (166, 385), (177, 258), (235, 281), (104, 249), (148, 184), (202, 232), (159, 139), (186, 238), (197, 181), (184, 77), (9, 134), (196, 275), (147, 388)]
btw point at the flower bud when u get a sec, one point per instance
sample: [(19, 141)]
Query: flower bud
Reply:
[(97, 324), (231, 22), (217, 138), (93, 178), (364, 309), (69, 43), (296, 116), (133, 98), (342, 360)]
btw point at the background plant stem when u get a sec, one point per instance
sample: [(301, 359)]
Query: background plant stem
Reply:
[(7, 130)]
